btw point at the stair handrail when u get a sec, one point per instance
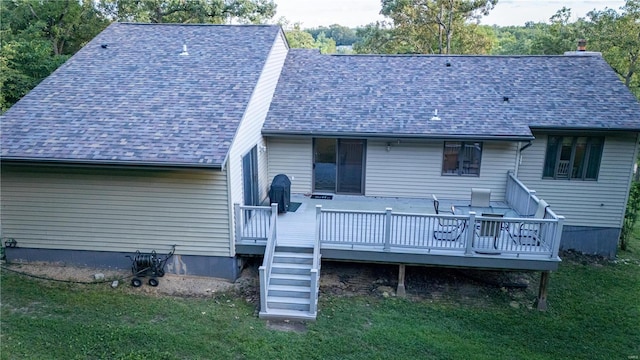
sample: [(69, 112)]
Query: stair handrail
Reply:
[(265, 268), (315, 268)]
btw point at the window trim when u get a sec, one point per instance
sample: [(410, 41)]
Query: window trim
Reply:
[(461, 158), (591, 140)]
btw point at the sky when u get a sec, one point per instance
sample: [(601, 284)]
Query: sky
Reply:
[(353, 13)]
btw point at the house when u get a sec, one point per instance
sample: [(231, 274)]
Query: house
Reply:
[(159, 135)]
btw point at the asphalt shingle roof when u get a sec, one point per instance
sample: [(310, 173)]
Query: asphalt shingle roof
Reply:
[(383, 95), (139, 101)]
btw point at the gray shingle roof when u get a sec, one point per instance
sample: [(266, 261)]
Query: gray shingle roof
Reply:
[(396, 96), (139, 101)]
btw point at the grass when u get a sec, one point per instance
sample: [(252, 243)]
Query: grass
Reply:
[(593, 313)]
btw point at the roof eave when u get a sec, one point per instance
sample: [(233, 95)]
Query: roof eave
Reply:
[(110, 163), (513, 137), (583, 128)]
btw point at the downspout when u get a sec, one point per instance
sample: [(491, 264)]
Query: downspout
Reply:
[(519, 157)]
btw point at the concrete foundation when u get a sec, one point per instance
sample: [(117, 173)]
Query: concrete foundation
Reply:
[(215, 266), (590, 240)]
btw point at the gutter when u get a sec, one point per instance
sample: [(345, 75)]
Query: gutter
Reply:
[(110, 163), (398, 136)]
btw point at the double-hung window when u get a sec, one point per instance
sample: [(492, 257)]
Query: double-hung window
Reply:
[(573, 157), (461, 158)]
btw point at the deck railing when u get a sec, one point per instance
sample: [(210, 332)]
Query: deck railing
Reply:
[(519, 197), (265, 269), (315, 267), (253, 223), (426, 233)]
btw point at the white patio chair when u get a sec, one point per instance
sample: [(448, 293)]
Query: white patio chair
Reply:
[(448, 229), (529, 233), (480, 197)]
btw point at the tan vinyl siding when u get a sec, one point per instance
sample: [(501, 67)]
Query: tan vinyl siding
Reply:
[(414, 169), (598, 203), (116, 210), (292, 157), (409, 169), (249, 131)]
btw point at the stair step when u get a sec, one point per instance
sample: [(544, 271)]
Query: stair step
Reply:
[(302, 255), (288, 291), (288, 303), (294, 249), (292, 257), (283, 314), (290, 268), (290, 279)]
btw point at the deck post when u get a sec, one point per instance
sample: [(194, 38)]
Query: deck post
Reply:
[(238, 219), (387, 230), (557, 237), (318, 222), (264, 282), (541, 301), (471, 227), (401, 291)]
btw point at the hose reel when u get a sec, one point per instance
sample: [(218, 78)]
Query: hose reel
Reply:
[(148, 264)]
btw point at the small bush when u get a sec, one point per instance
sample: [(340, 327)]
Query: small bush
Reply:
[(631, 215)]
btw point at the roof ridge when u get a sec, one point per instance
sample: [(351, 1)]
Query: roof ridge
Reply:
[(454, 55), (194, 24)]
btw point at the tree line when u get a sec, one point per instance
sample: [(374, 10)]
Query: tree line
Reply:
[(37, 36)]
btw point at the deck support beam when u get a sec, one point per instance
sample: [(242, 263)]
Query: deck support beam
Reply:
[(400, 291), (541, 301)]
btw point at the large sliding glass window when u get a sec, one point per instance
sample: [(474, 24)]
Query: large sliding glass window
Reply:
[(461, 158), (338, 165), (573, 157)]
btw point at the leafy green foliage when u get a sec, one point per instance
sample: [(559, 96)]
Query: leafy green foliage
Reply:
[(192, 11), (37, 37), (298, 38), (428, 26), (630, 216), (617, 36), (342, 35)]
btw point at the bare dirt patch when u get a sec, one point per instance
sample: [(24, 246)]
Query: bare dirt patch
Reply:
[(173, 285), (422, 283), (462, 286)]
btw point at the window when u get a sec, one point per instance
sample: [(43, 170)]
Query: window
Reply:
[(573, 157), (461, 158)]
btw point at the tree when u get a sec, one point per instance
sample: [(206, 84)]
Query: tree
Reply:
[(37, 37), (380, 38), (189, 11), (434, 20), (617, 36), (342, 35), (66, 24), (298, 38), (426, 26)]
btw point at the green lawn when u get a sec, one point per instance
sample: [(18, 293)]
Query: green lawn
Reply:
[(594, 313)]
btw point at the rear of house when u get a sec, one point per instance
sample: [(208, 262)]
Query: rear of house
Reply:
[(111, 155)]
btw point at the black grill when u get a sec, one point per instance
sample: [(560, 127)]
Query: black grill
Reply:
[(280, 192)]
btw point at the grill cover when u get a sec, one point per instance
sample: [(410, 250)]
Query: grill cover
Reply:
[(280, 192)]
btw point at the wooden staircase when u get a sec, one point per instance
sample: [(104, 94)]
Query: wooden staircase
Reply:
[(288, 291)]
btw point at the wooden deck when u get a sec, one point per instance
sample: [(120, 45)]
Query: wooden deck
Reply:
[(353, 229)]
